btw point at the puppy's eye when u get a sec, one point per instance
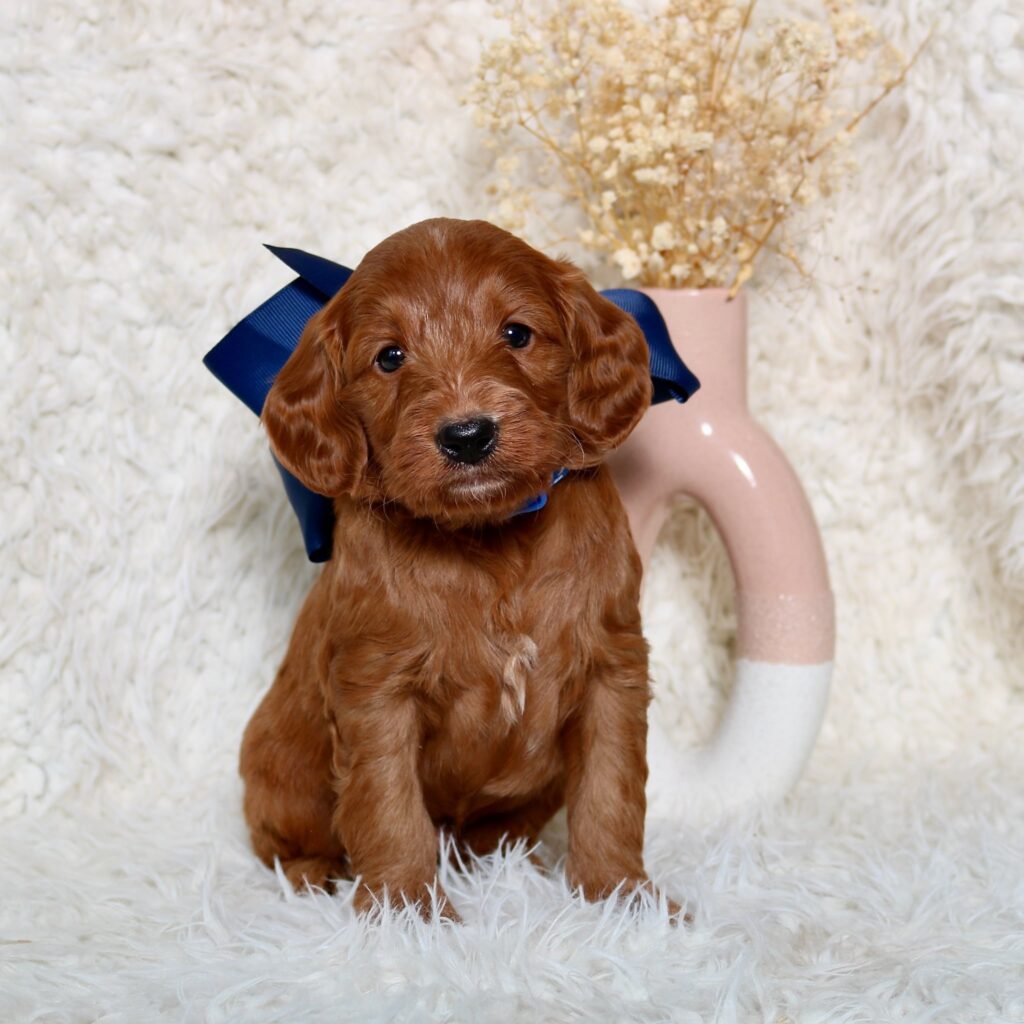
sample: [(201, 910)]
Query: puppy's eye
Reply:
[(390, 359), (517, 335)]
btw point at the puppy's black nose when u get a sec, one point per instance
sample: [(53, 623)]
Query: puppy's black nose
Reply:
[(468, 440)]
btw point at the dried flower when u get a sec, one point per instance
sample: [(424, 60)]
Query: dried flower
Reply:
[(688, 137)]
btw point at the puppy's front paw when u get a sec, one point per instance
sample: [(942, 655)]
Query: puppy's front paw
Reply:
[(596, 888), (676, 913), (306, 873), (370, 898)]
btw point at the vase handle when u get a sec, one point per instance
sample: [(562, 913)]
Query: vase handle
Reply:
[(786, 623)]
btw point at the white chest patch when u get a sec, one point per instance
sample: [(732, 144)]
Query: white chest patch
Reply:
[(522, 657)]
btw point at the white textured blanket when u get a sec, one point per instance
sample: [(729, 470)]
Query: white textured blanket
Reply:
[(151, 570)]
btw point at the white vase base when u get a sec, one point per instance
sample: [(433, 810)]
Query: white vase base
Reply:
[(757, 753)]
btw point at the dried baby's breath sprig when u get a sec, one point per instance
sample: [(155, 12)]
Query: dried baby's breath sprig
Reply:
[(687, 137)]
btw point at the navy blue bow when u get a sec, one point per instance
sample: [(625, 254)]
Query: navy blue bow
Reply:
[(251, 354)]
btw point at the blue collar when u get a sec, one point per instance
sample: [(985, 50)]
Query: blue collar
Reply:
[(248, 358), (536, 504)]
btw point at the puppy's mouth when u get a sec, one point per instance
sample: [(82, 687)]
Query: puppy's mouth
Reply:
[(492, 495), (476, 483), (477, 488)]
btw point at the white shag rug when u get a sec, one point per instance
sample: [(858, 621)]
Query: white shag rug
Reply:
[(151, 570)]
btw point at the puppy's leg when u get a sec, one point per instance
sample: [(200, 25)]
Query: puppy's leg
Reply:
[(604, 744), (380, 816), (285, 764)]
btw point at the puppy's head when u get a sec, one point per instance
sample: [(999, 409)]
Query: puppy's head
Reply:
[(454, 372)]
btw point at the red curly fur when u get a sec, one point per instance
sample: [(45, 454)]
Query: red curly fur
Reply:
[(452, 666)]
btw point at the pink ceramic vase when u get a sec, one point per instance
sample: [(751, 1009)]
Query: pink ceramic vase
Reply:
[(712, 450)]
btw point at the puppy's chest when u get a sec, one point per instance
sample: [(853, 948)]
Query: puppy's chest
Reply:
[(502, 635), (496, 661), (501, 663), (495, 718)]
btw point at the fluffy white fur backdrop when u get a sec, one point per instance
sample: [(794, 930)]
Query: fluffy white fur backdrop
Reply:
[(151, 569)]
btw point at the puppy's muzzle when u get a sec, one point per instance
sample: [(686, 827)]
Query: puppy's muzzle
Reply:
[(468, 441)]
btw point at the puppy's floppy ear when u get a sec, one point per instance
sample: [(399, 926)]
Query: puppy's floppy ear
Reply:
[(610, 381), (314, 436)]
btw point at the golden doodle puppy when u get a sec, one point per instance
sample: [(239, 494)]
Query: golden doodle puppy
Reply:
[(456, 664)]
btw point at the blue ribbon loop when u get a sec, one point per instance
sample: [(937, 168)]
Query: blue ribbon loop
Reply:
[(248, 358)]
